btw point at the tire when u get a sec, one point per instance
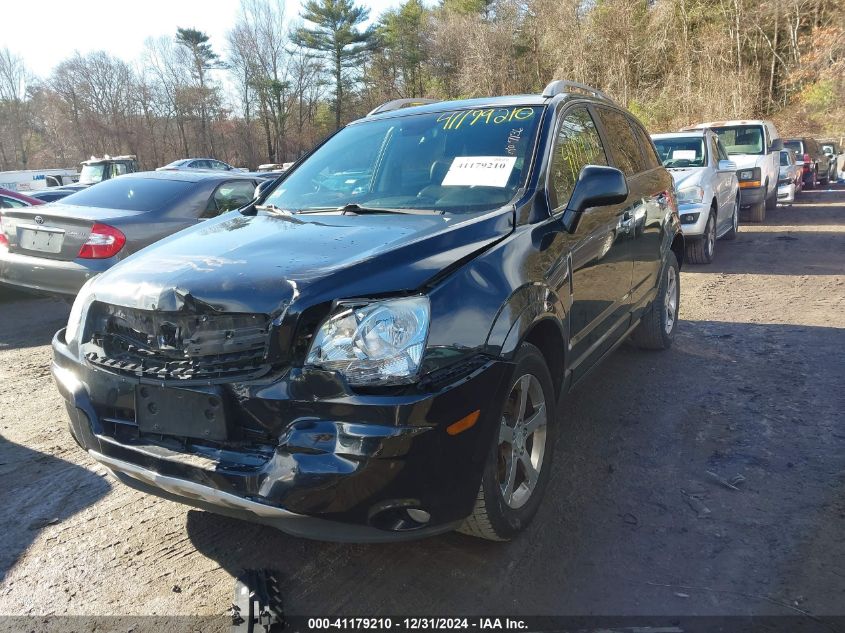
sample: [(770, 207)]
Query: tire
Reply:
[(826, 180), (655, 330), (731, 234), (702, 251), (771, 200), (758, 212), (503, 509)]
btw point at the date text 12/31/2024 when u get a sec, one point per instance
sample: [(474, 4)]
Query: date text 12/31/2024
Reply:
[(417, 623)]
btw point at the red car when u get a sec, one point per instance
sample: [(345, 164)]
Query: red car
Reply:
[(13, 199)]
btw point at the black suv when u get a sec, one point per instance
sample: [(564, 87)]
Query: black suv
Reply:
[(378, 348)]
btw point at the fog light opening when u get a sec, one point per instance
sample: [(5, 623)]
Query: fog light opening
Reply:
[(400, 518)]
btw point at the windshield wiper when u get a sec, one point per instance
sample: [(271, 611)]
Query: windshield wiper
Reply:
[(272, 208), (356, 209)]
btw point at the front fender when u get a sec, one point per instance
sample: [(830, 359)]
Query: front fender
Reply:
[(525, 308)]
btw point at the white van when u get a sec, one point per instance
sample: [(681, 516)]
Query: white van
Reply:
[(755, 148), (26, 180)]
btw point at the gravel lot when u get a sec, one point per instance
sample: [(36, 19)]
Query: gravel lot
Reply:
[(632, 523)]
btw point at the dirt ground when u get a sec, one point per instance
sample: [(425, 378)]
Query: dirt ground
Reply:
[(632, 523)]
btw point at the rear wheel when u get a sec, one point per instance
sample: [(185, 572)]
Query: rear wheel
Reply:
[(517, 469), (731, 234), (657, 327), (701, 251)]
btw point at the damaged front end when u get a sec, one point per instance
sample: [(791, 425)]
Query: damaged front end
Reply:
[(205, 407), (175, 346)]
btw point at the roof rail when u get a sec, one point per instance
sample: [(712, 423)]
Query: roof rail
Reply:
[(560, 86), (400, 103)]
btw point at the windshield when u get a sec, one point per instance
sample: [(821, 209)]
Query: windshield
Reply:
[(458, 161), (681, 152), (91, 174), (784, 158), (131, 194), (741, 139)]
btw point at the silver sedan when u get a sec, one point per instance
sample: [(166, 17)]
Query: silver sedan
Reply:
[(56, 248)]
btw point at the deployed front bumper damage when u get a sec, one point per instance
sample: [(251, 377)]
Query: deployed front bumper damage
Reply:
[(306, 455)]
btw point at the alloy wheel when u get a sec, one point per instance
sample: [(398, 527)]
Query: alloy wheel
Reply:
[(711, 237), (670, 301), (522, 441)]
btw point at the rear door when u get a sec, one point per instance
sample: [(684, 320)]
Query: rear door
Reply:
[(644, 211)]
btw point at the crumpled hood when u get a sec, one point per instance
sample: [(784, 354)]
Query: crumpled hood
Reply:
[(688, 177), (263, 263)]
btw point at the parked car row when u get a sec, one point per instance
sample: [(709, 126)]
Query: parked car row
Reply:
[(50, 185), (722, 167), (375, 343), (817, 166)]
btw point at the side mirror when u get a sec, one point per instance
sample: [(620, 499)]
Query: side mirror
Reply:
[(262, 187), (597, 186), (776, 145), (727, 165)]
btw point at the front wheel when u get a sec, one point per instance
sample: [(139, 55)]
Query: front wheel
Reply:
[(758, 212), (702, 251), (516, 472), (771, 199), (657, 327)]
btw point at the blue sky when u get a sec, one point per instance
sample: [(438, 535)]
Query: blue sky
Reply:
[(117, 27)]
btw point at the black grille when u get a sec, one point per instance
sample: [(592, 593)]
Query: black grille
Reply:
[(177, 346)]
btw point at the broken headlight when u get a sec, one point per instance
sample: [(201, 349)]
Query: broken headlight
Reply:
[(379, 343)]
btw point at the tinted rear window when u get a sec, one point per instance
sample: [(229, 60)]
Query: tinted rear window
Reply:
[(795, 146), (131, 194), (623, 144), (649, 155)]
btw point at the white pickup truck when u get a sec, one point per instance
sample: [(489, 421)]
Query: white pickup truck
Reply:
[(754, 146)]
